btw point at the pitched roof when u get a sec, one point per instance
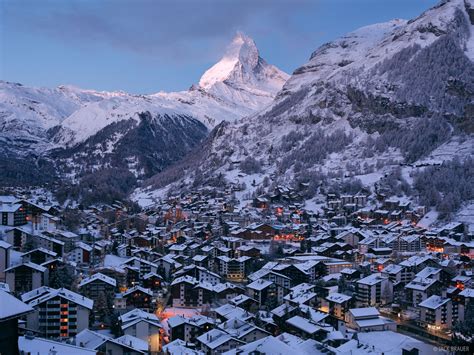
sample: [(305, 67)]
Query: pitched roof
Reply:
[(64, 293), (12, 307), (31, 345), (98, 277), (434, 302)]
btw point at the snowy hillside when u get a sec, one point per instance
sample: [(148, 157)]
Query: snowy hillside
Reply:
[(27, 113), (382, 96)]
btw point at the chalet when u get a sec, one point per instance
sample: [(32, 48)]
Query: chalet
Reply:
[(38, 255), (217, 341), (100, 343), (350, 274), (144, 326), (229, 311), (244, 302), (48, 242), (303, 293), (11, 213), (263, 291), (152, 281), (26, 277), (81, 253), (283, 312), (177, 249), (436, 312), (188, 329), (374, 289), (119, 274), (246, 250), (97, 286), (70, 308), (242, 330), (260, 231), (45, 222), (18, 237), (261, 202), (11, 310), (368, 319), (420, 289), (144, 266), (186, 291), (338, 304), (202, 261), (199, 273), (168, 264), (69, 238), (308, 328), (394, 273), (296, 274), (5, 249), (233, 269), (138, 297)]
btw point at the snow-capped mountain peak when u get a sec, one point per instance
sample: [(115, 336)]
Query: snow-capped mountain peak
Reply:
[(242, 67), (242, 51)]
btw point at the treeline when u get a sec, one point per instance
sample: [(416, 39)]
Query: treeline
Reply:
[(415, 141), (446, 186), (314, 149), (101, 186)]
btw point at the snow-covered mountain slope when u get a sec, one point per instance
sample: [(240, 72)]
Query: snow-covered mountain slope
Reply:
[(27, 113), (241, 83), (381, 96)]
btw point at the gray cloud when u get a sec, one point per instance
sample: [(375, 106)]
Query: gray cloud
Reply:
[(168, 30)]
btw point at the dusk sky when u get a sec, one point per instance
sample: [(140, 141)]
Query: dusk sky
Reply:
[(145, 46)]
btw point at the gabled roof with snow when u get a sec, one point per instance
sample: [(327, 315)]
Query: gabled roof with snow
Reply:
[(239, 328), (282, 310), (229, 311), (138, 314), (259, 285), (63, 293), (338, 297), (372, 279), (138, 288), (35, 345), (467, 292), (434, 302), (306, 325), (30, 265), (366, 312), (179, 347), (12, 307), (215, 338), (98, 277), (4, 245), (420, 284)]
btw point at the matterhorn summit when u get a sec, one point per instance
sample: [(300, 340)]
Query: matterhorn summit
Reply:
[(242, 68)]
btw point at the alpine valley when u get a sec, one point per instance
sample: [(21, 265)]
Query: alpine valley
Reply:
[(75, 132)]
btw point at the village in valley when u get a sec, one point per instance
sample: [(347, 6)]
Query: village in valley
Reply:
[(203, 273)]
